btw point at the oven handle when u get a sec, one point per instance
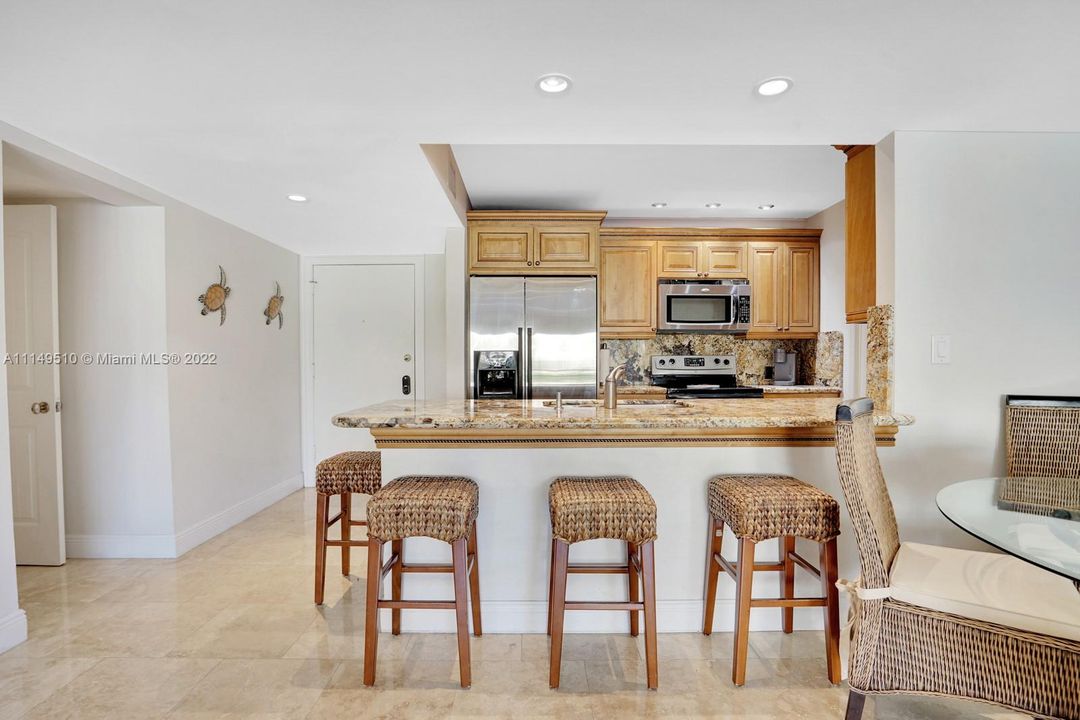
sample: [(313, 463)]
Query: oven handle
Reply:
[(528, 353)]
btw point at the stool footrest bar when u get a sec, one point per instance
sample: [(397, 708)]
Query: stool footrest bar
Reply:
[(601, 605), (787, 602)]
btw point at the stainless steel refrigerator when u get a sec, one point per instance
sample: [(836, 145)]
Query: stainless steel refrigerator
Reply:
[(549, 323)]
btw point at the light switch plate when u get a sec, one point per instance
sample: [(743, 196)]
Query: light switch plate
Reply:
[(940, 349)]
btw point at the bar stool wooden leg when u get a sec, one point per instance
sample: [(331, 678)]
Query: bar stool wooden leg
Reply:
[(832, 609), (397, 547), (743, 592), (474, 583), (713, 547), (632, 582), (371, 616), (322, 511), (648, 573), (551, 585), (461, 608), (787, 547), (558, 610), (346, 530)]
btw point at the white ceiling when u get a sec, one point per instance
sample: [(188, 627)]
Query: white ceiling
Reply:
[(625, 180), (232, 105)]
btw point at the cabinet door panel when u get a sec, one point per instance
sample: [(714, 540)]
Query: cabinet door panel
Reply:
[(567, 247), (724, 259), (766, 283), (680, 259), (802, 288), (500, 247), (628, 289)]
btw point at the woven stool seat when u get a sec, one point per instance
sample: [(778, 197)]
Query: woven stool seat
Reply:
[(590, 508), (760, 507), (434, 506), (359, 471)]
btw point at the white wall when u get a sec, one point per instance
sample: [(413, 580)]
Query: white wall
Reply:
[(832, 222), (234, 426), (455, 267), (987, 252), (115, 420), (12, 618)]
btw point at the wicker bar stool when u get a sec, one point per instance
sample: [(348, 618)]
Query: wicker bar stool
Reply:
[(342, 475), (439, 507), (614, 508), (762, 507)]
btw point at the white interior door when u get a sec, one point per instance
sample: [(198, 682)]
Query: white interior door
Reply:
[(30, 293), (364, 345)]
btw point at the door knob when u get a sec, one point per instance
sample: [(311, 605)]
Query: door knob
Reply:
[(39, 408)]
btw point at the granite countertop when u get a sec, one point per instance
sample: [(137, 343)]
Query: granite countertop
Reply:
[(641, 414)]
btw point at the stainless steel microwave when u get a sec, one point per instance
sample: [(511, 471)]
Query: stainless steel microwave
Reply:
[(720, 306)]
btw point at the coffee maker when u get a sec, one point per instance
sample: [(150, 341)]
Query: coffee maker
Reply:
[(496, 375), (784, 367)]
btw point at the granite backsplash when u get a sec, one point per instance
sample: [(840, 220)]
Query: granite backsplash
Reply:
[(820, 360)]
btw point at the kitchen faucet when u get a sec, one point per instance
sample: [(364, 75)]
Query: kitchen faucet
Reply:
[(611, 389)]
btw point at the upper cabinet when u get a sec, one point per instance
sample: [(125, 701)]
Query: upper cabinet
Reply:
[(782, 266), (860, 248), (681, 258), (627, 288), (785, 285), (526, 242)]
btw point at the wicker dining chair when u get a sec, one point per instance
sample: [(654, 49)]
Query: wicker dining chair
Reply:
[(1042, 436), (947, 622)]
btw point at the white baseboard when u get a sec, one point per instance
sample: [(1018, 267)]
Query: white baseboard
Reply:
[(120, 546), (214, 525), (171, 546), (12, 630), (672, 616)]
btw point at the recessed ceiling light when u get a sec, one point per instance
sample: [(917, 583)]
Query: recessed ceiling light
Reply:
[(765, 207), (553, 83), (774, 86), (712, 206), (298, 198), (659, 205)]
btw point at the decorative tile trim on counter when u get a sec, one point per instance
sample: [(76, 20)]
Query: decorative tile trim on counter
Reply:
[(880, 344), (751, 356)]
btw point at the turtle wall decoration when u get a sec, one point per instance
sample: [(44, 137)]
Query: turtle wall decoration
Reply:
[(213, 300), (273, 307)]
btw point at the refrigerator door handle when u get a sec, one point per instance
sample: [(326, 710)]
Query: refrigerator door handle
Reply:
[(522, 367), (529, 365)]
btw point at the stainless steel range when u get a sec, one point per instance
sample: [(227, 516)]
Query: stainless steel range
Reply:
[(699, 376)]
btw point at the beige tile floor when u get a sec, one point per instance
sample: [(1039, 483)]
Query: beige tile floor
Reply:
[(230, 631)]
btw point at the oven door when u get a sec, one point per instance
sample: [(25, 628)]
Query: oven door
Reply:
[(703, 307)]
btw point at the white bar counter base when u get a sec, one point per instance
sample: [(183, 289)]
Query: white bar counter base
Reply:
[(514, 527)]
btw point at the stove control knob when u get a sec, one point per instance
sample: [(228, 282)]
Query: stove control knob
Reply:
[(727, 361), (662, 362), (716, 361), (672, 361)]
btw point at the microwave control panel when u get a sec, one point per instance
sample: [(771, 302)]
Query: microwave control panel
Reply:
[(743, 310)]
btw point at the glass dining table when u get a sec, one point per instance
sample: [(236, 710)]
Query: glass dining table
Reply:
[(1050, 542)]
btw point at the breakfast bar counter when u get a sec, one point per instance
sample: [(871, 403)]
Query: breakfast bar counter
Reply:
[(783, 421), (515, 449)]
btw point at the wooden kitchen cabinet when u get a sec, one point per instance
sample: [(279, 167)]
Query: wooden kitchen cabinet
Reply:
[(715, 260), (525, 242), (627, 289), (860, 245), (785, 286)]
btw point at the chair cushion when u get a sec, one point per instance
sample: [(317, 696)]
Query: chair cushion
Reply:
[(435, 506), (357, 471), (760, 507), (986, 586), (609, 507)]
